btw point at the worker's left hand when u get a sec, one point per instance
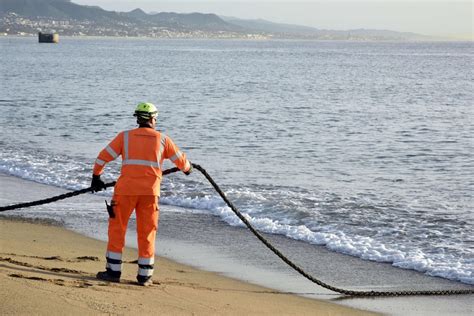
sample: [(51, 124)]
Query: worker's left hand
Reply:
[(97, 184)]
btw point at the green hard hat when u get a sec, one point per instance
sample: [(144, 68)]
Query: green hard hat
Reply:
[(146, 110)]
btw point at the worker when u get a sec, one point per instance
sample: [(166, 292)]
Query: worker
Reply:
[(143, 150)]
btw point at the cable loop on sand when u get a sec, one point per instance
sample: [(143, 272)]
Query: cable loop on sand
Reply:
[(261, 238)]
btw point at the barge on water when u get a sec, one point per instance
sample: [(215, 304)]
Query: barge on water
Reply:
[(48, 37)]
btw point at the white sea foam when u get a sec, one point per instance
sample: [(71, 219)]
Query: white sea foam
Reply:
[(359, 246), (343, 240), (40, 168)]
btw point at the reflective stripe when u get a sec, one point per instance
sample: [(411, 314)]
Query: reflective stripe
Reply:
[(141, 163), (138, 162), (125, 145), (176, 156), (111, 152), (146, 261), (99, 162), (162, 147), (163, 139), (145, 272), (114, 267), (113, 255)]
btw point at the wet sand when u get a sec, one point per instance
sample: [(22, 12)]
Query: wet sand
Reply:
[(203, 242), (45, 269)]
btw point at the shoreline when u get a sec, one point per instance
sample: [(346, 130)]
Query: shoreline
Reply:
[(85, 37), (214, 248), (55, 268)]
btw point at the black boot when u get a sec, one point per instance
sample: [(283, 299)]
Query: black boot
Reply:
[(109, 276), (144, 281)]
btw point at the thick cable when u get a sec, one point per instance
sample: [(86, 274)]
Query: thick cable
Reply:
[(66, 195), (310, 277), (262, 239)]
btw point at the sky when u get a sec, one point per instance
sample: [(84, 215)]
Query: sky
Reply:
[(451, 18)]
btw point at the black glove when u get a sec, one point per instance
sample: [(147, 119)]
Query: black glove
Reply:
[(97, 184), (189, 171)]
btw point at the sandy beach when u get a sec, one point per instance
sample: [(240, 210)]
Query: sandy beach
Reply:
[(46, 269)]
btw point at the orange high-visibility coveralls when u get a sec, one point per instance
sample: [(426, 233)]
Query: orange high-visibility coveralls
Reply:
[(138, 187)]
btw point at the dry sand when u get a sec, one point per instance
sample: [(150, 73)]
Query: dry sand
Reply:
[(45, 269)]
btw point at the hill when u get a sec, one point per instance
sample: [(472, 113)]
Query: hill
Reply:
[(299, 31), (68, 18), (67, 10)]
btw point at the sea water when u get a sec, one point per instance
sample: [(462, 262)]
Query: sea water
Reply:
[(363, 147)]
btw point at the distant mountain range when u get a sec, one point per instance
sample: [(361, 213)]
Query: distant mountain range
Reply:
[(22, 16), (290, 30)]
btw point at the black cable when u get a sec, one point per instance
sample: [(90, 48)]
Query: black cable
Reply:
[(261, 238), (66, 195), (310, 277)]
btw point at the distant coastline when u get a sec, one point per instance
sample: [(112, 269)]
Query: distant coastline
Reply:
[(105, 37), (69, 19)]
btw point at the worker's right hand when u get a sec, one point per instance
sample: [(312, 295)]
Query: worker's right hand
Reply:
[(189, 170), (97, 184)]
